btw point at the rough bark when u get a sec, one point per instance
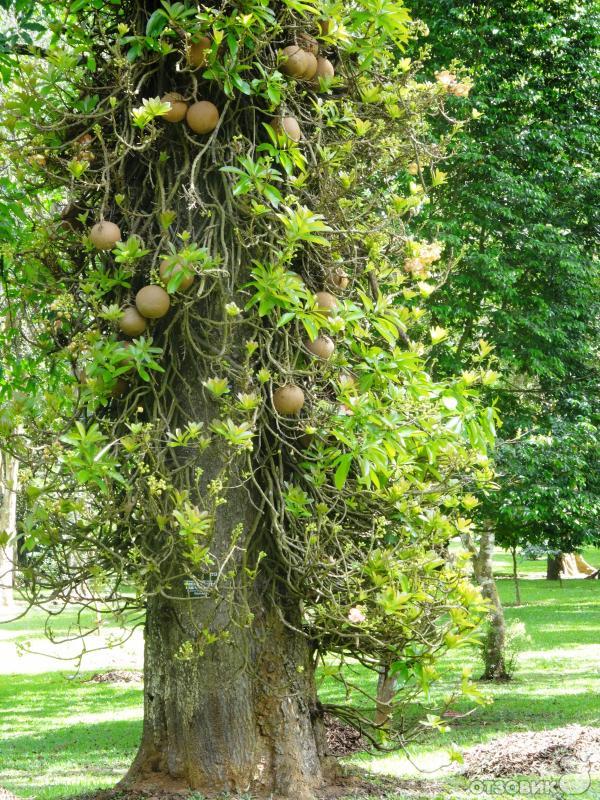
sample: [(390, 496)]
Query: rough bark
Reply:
[(243, 717), (9, 472), (553, 567), (239, 714), (495, 668)]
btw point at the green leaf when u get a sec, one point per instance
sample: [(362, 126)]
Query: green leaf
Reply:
[(341, 473), (157, 22)]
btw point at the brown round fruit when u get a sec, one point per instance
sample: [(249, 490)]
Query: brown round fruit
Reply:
[(128, 506), (293, 61), (339, 278), (326, 302), (169, 269), (289, 126), (288, 400), (198, 51), (104, 235), (132, 323), (308, 43), (178, 107), (152, 302), (322, 347), (311, 66), (203, 117), (324, 68)]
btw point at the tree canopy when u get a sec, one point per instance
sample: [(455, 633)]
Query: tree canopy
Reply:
[(520, 216)]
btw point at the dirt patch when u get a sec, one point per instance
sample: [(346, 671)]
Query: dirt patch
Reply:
[(342, 739), (380, 788), (383, 788), (116, 676), (348, 786), (561, 751)]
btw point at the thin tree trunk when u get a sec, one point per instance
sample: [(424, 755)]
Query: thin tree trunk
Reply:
[(386, 689), (242, 717), (9, 474), (494, 644), (513, 551), (553, 567)]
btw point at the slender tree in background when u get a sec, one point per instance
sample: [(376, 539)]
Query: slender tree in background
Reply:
[(12, 200), (223, 423), (520, 215), (9, 475), (481, 548)]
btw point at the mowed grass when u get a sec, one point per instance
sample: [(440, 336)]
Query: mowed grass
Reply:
[(61, 734)]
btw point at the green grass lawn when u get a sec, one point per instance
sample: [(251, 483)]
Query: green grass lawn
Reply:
[(61, 734)]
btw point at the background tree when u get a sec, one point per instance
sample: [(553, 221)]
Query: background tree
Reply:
[(553, 497), (222, 419), (520, 218), (9, 472), (12, 200)]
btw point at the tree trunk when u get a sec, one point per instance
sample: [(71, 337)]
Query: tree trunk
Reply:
[(238, 713), (553, 567), (493, 648), (513, 551), (386, 689), (9, 474), (242, 717)]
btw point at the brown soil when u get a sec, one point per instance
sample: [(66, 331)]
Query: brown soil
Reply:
[(116, 676), (381, 788), (561, 751), (349, 786)]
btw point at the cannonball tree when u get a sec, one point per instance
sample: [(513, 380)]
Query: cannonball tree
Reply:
[(207, 192)]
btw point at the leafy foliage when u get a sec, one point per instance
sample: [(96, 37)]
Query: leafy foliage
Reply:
[(550, 495), (520, 218)]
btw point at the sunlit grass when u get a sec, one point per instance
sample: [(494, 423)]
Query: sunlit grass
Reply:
[(557, 682), (61, 736)]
